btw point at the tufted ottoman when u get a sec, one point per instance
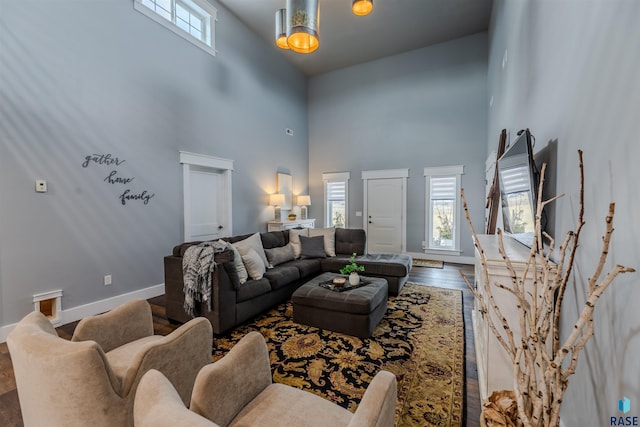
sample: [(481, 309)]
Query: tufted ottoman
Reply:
[(354, 312)]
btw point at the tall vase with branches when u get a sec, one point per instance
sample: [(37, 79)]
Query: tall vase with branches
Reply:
[(541, 370)]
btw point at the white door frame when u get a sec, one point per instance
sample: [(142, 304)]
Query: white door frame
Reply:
[(386, 174), (222, 166)]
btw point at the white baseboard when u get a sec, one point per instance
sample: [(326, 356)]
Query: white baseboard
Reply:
[(97, 307), (446, 258)]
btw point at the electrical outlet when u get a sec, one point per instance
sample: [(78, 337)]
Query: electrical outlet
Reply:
[(41, 186), (107, 280)]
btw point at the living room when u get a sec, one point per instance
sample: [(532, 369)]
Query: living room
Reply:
[(85, 78)]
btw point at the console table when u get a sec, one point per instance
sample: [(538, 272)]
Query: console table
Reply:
[(286, 225), (495, 370)]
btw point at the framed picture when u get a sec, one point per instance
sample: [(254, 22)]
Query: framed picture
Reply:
[(284, 184)]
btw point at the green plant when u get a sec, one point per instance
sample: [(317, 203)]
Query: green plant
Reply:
[(352, 266)]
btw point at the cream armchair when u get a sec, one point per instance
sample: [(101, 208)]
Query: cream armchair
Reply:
[(91, 380), (237, 390)]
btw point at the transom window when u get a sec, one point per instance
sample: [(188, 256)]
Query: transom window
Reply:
[(336, 190), (443, 213), (194, 20)]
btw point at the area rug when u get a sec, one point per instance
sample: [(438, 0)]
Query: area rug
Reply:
[(428, 263), (420, 340)]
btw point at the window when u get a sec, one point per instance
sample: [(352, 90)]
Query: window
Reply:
[(194, 20), (336, 192), (443, 212)]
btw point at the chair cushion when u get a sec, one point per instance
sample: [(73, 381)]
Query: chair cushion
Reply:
[(120, 358), (281, 405)]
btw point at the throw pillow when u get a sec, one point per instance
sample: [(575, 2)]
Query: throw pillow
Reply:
[(329, 235), (237, 262), (254, 265), (294, 239), (280, 255), (312, 247), (252, 242)]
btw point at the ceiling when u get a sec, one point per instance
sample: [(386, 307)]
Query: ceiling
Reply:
[(394, 26)]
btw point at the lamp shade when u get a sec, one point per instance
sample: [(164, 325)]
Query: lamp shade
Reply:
[(303, 25), (276, 199), (304, 200), (281, 29), (362, 7)]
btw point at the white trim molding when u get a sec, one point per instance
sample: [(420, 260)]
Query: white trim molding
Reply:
[(93, 308), (225, 168), (429, 172), (386, 174)]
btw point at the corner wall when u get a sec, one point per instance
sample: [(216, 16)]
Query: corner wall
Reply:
[(570, 75), (98, 77), (423, 108)]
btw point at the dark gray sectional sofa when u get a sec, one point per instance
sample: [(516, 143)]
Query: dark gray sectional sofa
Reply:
[(233, 304)]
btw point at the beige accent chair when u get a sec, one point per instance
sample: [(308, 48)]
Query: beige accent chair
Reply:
[(238, 391), (91, 380)]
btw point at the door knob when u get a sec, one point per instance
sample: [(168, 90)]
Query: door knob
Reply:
[(220, 227)]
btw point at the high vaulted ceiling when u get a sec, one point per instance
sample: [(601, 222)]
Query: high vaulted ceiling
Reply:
[(394, 26)]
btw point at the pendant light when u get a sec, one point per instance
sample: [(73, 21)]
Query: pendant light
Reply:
[(303, 25), (362, 7), (281, 29)]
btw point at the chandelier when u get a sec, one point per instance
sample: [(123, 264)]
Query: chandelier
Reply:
[(298, 26)]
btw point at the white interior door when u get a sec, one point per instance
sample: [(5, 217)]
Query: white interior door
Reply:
[(205, 209), (385, 207), (207, 196)]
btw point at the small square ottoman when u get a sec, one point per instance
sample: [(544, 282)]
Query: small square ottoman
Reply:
[(354, 312)]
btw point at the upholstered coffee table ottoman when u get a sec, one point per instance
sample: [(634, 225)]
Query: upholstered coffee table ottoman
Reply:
[(353, 312)]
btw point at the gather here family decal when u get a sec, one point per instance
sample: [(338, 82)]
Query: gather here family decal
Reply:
[(116, 178)]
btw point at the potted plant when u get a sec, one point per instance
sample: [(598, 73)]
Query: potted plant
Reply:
[(352, 270)]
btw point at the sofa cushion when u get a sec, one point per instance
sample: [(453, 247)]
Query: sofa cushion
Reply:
[(252, 289), (312, 247), (294, 239), (329, 235), (254, 265), (252, 242), (274, 239), (280, 255), (349, 240), (237, 262), (393, 265), (282, 276), (307, 267)]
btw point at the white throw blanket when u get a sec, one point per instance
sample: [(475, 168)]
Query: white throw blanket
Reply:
[(197, 266)]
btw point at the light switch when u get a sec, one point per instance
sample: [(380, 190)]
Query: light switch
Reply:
[(41, 186)]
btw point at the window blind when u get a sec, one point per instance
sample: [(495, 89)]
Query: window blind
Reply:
[(443, 188)]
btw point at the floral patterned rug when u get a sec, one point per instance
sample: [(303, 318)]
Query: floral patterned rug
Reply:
[(420, 339)]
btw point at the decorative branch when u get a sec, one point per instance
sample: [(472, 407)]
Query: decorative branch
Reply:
[(539, 379)]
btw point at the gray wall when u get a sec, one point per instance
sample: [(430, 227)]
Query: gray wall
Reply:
[(572, 77), (78, 78), (424, 108)]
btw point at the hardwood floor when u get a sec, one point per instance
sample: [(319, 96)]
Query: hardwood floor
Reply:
[(447, 277)]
